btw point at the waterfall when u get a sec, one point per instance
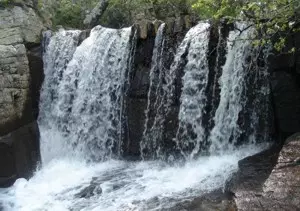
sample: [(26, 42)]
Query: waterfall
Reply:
[(235, 103), (82, 117), (191, 132), (153, 129)]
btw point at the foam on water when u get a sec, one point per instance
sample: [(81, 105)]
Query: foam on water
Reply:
[(125, 185)]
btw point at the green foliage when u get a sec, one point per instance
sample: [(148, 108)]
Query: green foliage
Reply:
[(67, 13), (6, 2), (272, 18)]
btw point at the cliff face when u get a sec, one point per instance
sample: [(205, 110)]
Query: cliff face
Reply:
[(21, 74), (20, 32), (285, 84)]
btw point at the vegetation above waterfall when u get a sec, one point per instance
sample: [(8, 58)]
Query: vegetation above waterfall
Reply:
[(272, 18)]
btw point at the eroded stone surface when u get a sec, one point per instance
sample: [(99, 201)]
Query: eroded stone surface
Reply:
[(14, 84), (20, 27), (19, 24), (282, 187), (256, 190)]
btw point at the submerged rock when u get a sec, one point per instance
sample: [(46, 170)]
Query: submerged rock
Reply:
[(90, 191)]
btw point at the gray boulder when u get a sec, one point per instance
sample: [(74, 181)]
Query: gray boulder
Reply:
[(19, 25), (260, 186), (14, 86)]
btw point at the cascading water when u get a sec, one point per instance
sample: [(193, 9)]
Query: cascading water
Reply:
[(81, 120), (233, 83), (190, 135), (59, 50), (153, 132), (84, 117)]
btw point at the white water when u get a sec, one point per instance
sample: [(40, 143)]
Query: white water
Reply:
[(84, 119), (227, 130), (193, 98), (126, 186)]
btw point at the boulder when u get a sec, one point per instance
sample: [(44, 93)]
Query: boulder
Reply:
[(19, 25), (263, 187), (282, 186), (19, 154)]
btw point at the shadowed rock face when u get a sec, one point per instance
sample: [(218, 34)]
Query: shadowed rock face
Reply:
[(259, 186), (285, 83), (21, 75), (19, 154)]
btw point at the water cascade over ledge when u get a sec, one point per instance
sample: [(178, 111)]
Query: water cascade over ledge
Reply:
[(83, 119)]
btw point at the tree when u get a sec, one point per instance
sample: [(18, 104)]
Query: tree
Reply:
[(272, 18)]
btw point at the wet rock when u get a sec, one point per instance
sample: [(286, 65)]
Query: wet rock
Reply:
[(286, 96), (216, 200), (35, 59), (136, 118), (146, 29), (156, 25), (7, 163), (19, 154), (88, 192)]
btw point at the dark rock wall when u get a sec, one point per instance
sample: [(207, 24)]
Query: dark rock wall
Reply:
[(285, 82), (139, 78), (19, 155)]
